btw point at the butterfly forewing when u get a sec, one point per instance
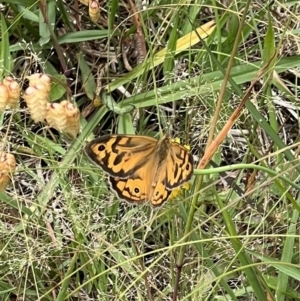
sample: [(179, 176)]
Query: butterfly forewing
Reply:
[(121, 155)]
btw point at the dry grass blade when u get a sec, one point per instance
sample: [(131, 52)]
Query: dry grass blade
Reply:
[(210, 151)]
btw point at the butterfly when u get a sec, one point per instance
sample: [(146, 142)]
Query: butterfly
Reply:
[(141, 168)]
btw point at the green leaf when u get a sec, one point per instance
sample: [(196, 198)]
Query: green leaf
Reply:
[(59, 82), (168, 64), (88, 81), (22, 2), (83, 36), (269, 43), (5, 58), (45, 34)]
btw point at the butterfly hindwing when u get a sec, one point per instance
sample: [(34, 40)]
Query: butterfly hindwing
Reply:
[(130, 190), (179, 166)]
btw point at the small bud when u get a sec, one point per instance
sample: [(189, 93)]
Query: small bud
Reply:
[(13, 91), (40, 79), (94, 10), (37, 98), (85, 2), (7, 167), (3, 97), (56, 116), (73, 118), (64, 117)]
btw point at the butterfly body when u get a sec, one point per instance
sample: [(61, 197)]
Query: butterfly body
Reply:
[(142, 168)]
